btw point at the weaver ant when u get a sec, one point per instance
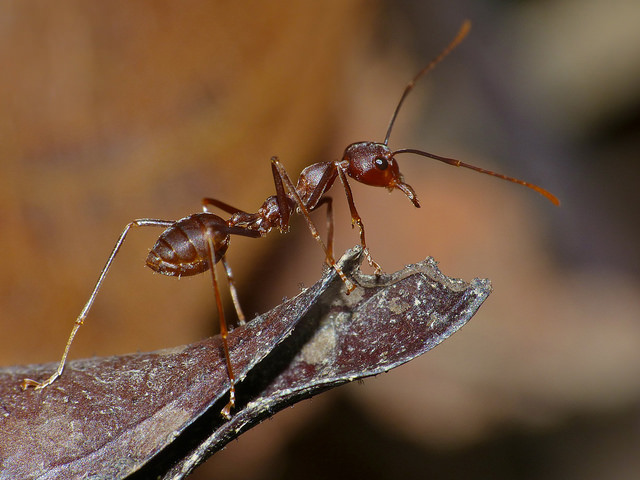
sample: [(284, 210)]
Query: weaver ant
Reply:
[(194, 244)]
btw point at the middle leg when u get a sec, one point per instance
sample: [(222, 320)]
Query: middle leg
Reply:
[(282, 181)]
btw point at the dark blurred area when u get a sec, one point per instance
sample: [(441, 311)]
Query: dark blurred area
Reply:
[(118, 110)]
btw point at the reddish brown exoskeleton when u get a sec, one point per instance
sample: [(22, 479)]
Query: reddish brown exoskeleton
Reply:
[(194, 244)]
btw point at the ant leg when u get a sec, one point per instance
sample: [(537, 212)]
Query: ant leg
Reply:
[(329, 202), (206, 202), (143, 222), (234, 292), (224, 332), (225, 207), (282, 180), (356, 220)]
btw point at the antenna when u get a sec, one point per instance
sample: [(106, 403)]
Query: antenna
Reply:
[(464, 30), (457, 163)]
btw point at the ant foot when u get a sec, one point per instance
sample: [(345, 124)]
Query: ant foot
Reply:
[(347, 283), (226, 411), (377, 268), (27, 382)]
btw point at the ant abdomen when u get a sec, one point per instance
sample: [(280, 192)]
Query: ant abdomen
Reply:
[(182, 249)]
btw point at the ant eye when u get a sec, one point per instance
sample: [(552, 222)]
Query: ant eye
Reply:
[(381, 163)]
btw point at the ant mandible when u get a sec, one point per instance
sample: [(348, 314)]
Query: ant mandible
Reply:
[(194, 244)]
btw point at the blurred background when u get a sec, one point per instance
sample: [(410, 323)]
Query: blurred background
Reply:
[(111, 111)]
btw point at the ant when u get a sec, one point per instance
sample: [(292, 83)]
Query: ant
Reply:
[(194, 244)]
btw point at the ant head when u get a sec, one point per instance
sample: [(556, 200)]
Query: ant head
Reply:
[(374, 164)]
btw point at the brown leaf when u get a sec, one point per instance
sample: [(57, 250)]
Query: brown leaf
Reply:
[(158, 414)]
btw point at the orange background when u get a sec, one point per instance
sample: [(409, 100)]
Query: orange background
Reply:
[(121, 110)]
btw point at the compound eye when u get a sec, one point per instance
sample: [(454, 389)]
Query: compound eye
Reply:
[(381, 163)]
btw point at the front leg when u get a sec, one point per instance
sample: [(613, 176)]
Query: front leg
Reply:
[(357, 220)]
